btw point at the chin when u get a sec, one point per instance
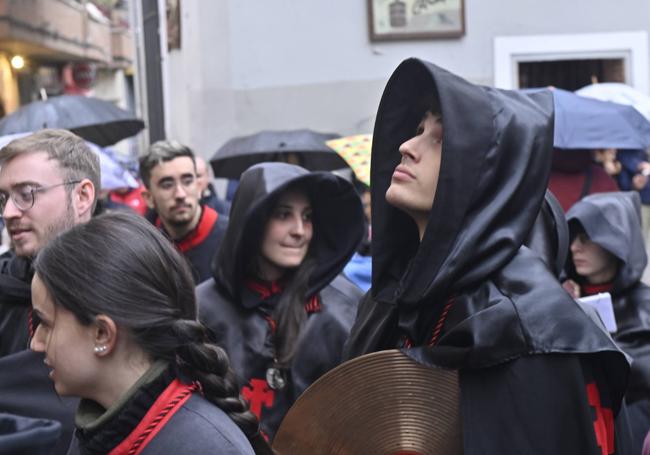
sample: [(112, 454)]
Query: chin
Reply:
[(395, 197), (25, 250)]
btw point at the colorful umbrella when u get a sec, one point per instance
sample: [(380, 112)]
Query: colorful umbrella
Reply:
[(355, 150)]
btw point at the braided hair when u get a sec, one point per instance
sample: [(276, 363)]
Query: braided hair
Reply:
[(136, 277)]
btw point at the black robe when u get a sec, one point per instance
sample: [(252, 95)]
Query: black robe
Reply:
[(613, 221), (200, 245), (25, 388), (538, 375), (15, 303), (241, 316)]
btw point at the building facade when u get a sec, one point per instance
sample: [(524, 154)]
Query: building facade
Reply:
[(278, 64)]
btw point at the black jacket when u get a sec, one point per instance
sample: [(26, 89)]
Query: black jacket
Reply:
[(200, 245), (505, 306), (613, 221), (25, 388), (15, 303), (26, 436), (240, 317)]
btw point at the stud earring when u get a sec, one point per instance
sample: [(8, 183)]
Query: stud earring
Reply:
[(100, 349)]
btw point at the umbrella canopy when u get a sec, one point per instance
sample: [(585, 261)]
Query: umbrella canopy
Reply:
[(587, 123), (618, 93), (355, 150), (114, 175), (95, 120), (308, 146)]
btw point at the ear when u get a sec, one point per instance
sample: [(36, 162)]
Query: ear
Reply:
[(148, 198), (105, 335), (84, 196)]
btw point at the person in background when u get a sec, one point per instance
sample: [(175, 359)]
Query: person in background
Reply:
[(277, 302), (119, 329), (634, 177), (459, 173), (359, 269), (575, 174), (206, 189), (49, 182), (607, 158), (168, 171), (608, 255)]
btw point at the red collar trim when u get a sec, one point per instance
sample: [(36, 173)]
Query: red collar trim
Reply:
[(591, 289), (170, 401), (264, 289), (195, 237)]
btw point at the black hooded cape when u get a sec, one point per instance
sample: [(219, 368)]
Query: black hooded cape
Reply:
[(613, 221), (525, 350), (239, 317)]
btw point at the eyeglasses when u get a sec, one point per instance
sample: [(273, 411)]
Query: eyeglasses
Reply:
[(24, 197)]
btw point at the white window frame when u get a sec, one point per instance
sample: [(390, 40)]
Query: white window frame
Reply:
[(632, 47)]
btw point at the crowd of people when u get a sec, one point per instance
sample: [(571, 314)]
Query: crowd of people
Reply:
[(193, 326)]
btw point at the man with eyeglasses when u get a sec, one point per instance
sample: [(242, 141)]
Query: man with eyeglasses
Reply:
[(168, 172), (49, 182)]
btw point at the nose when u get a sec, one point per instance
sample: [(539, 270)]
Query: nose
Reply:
[(10, 210), (576, 245), (298, 227), (179, 191), (407, 149), (38, 343)]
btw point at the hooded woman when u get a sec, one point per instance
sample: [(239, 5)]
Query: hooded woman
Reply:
[(460, 172), (277, 303), (119, 329), (608, 255)]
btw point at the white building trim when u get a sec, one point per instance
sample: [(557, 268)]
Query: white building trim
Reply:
[(632, 47)]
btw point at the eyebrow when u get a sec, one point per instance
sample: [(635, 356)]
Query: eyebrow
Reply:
[(25, 183), (290, 207)]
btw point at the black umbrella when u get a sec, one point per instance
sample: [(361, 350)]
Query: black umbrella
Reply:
[(95, 120), (307, 146)]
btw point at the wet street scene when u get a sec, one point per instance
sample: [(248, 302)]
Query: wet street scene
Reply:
[(386, 227)]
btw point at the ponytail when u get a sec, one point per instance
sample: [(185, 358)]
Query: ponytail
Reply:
[(199, 360), (137, 278)]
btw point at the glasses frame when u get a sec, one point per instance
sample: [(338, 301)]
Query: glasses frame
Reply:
[(4, 197)]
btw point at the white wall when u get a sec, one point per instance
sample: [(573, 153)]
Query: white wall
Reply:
[(282, 64)]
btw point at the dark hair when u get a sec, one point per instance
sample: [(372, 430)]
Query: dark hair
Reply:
[(76, 160), (135, 276), (160, 152), (289, 313)]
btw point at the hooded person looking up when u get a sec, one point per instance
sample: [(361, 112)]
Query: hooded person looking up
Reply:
[(277, 303), (608, 255), (459, 173)]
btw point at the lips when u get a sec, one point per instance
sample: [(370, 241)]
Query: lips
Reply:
[(51, 373), (13, 232), (579, 262), (403, 173)]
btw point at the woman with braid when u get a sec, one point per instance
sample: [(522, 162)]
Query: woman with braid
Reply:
[(118, 326)]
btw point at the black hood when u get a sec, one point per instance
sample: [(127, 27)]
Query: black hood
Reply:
[(549, 236), (612, 221), (496, 150), (337, 219)]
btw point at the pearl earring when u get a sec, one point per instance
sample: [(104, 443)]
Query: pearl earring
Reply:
[(100, 349)]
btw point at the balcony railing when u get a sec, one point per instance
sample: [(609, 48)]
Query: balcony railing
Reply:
[(53, 29)]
